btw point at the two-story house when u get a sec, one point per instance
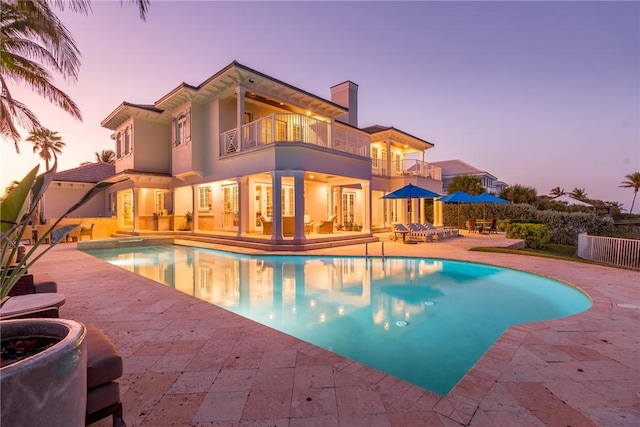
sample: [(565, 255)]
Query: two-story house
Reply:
[(243, 148)]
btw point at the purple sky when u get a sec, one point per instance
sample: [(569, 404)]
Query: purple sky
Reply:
[(542, 94)]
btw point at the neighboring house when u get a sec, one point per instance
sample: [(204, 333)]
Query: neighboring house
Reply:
[(69, 186), (243, 144), (452, 168)]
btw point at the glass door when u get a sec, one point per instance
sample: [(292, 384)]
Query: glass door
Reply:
[(348, 207), (230, 205)]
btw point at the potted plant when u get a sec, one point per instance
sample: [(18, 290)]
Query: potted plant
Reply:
[(188, 216), (43, 370), (348, 226)]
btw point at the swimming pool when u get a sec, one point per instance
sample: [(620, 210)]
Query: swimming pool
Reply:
[(426, 321)]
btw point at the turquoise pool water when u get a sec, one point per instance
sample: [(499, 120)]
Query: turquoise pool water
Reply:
[(423, 320)]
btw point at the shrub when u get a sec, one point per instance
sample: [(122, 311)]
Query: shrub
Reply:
[(535, 236)]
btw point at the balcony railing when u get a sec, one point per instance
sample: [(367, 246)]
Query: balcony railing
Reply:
[(289, 127), (407, 167)]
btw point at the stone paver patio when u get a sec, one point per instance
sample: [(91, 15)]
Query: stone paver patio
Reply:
[(190, 363)]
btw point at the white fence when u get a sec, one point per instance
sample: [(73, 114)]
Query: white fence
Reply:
[(610, 250)]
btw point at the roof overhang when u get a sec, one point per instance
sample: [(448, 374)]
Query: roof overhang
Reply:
[(126, 110), (141, 178), (400, 139)]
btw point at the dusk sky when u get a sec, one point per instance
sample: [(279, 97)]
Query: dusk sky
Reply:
[(542, 94)]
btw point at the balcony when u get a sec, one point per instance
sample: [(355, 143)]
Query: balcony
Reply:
[(289, 127), (407, 167)]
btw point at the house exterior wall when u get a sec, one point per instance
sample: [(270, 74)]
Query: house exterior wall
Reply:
[(151, 146), (59, 198)]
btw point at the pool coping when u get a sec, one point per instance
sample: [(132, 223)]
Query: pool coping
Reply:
[(526, 376)]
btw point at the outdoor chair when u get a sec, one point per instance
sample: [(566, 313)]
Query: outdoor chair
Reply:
[(441, 233), (86, 231), (267, 226), (104, 368), (34, 284), (472, 226), (308, 224), (400, 230), (418, 230), (491, 228), (327, 226)]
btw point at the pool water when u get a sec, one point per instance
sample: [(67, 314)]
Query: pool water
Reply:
[(426, 321)]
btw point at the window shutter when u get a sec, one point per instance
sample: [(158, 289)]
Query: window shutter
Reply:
[(119, 145), (188, 126), (174, 132)]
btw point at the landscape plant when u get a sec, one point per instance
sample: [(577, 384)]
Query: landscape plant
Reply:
[(15, 224)]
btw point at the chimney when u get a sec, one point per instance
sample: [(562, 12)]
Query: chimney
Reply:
[(346, 95)]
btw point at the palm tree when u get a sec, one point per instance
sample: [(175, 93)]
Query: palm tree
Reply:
[(35, 45), (106, 156), (557, 192), (579, 194), (46, 143), (468, 183), (632, 181), (519, 194)]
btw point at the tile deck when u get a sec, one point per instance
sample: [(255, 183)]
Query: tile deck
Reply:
[(190, 363)]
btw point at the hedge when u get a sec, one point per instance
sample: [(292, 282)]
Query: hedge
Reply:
[(563, 226)]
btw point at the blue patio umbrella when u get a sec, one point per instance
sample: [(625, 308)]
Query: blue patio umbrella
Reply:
[(489, 198), (409, 192), (459, 197)]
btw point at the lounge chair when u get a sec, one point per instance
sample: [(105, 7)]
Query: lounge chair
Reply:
[(327, 226), (400, 230), (418, 230), (442, 233)]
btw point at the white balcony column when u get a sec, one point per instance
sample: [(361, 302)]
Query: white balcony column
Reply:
[(194, 208), (438, 213), (136, 209), (298, 191), (243, 205), (389, 158), (240, 91), (415, 210), (423, 166), (276, 188), (366, 195), (423, 217)]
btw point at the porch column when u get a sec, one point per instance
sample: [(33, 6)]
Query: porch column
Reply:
[(194, 208), (438, 213), (366, 221), (340, 217), (240, 91), (243, 205), (415, 213), (276, 187), (298, 189), (136, 209), (423, 167), (423, 217)]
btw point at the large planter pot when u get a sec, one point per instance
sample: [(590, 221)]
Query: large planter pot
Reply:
[(48, 388)]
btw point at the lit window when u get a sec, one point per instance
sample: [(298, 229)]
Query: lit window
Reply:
[(204, 198), (374, 156)]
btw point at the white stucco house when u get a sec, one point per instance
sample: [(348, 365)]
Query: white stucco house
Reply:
[(243, 148), (456, 167)]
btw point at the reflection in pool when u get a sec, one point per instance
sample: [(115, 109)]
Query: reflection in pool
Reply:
[(423, 320)]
